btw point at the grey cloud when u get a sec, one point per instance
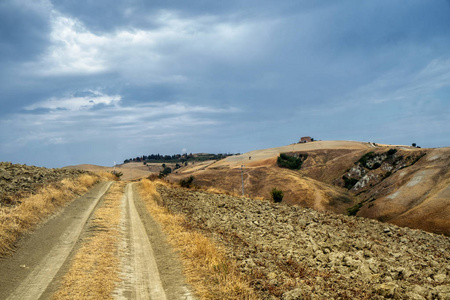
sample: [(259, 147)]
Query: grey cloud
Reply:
[(241, 74), (108, 16), (24, 29), (63, 126)]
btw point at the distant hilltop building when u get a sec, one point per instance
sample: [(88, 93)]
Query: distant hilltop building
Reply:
[(306, 139)]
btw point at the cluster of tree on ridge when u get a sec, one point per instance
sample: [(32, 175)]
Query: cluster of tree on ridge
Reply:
[(177, 158)]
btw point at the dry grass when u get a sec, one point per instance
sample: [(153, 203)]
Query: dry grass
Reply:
[(106, 176), (33, 209), (211, 274), (94, 270)]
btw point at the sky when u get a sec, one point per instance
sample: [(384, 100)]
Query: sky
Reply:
[(98, 82)]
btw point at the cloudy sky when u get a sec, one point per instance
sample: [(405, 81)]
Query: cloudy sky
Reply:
[(100, 81)]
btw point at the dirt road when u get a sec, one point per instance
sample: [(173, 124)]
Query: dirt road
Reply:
[(148, 268)]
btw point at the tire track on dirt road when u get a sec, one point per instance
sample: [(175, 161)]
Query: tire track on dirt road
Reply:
[(40, 264), (148, 284), (149, 268)]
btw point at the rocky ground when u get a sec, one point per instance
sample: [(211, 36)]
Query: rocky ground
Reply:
[(290, 252), (17, 180)]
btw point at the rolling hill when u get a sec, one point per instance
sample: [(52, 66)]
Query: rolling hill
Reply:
[(402, 185)]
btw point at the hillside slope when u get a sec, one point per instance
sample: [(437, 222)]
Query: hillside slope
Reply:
[(397, 184), (417, 196), (261, 174)]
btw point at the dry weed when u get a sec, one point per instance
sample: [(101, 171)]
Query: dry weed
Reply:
[(15, 221), (106, 176), (165, 183), (208, 270), (215, 190), (94, 270), (87, 180)]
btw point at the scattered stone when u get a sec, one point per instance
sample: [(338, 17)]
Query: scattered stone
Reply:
[(297, 294), (290, 252), (387, 290), (17, 180), (440, 278)]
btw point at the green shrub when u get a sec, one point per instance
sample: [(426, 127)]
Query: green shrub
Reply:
[(375, 166), (291, 162), (349, 182), (165, 172), (391, 152), (117, 174), (187, 182), (366, 157), (352, 211), (277, 195), (363, 160)]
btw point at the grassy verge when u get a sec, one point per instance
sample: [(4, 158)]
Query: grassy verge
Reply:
[(94, 272), (33, 209), (206, 267)]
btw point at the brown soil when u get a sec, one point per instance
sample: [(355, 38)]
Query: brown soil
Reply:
[(294, 253)]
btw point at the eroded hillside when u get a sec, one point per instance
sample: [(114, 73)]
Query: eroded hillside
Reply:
[(416, 196), (402, 185)]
